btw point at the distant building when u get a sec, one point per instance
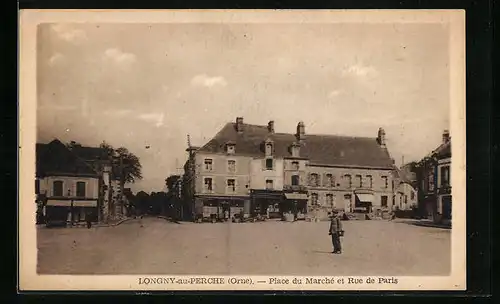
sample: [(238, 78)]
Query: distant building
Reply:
[(434, 182), (109, 179), (405, 195), (250, 167), (70, 187)]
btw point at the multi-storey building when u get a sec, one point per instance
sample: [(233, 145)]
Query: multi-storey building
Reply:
[(434, 182), (109, 179), (251, 167), (68, 185)]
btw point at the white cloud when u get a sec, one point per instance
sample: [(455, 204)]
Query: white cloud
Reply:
[(56, 107), (67, 33), (117, 113), (207, 81), (334, 93), (359, 70), (54, 59), (119, 57), (156, 118)]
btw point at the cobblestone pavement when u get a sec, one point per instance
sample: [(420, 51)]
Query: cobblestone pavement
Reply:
[(155, 246)]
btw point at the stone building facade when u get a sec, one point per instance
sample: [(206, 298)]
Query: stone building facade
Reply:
[(434, 182), (308, 174)]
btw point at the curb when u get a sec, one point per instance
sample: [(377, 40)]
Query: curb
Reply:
[(168, 219), (114, 224)]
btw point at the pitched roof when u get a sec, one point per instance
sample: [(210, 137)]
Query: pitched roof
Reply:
[(90, 153), (319, 149), (444, 150), (56, 158)]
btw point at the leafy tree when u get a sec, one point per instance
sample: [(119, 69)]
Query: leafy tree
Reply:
[(141, 201), (124, 162)]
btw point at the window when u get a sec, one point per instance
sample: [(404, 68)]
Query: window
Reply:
[(384, 201), (208, 164), (314, 179), (231, 185), (295, 151), (369, 181), (230, 148), (80, 189), (314, 199), (385, 182), (406, 199), (295, 165), (231, 166), (295, 180), (269, 149), (431, 181), (269, 164), (412, 195), (359, 181), (269, 184), (330, 181), (57, 188), (37, 186), (348, 180), (208, 184), (445, 176), (329, 200)]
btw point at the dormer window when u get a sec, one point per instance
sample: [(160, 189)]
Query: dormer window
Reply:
[(269, 147), (295, 150), (230, 147)]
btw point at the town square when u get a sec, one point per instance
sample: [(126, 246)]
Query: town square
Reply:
[(157, 246)]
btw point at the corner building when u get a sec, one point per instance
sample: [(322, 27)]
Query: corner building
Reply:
[(255, 169)]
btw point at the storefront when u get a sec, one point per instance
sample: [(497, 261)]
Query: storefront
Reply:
[(295, 202), (364, 201), (221, 206), (266, 202), (70, 211)]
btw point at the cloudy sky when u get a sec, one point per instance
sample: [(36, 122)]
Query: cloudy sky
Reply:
[(138, 85)]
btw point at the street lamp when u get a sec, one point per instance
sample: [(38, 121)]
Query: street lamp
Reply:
[(71, 208)]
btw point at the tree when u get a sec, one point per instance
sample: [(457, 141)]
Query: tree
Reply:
[(124, 163), (141, 201)]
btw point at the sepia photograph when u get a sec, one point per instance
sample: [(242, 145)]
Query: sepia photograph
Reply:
[(232, 149)]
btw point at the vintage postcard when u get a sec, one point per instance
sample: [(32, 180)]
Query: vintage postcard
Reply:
[(242, 150)]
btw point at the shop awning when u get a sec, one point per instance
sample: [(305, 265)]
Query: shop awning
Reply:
[(67, 203), (363, 197), (85, 203), (60, 203), (267, 194), (296, 196)]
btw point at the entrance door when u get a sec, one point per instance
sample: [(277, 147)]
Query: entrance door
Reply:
[(446, 205), (347, 203)]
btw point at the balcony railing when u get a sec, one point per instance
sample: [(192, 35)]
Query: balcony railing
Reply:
[(294, 187)]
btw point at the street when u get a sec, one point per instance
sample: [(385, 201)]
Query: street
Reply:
[(156, 246)]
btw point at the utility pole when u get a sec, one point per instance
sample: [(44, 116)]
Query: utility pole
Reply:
[(122, 186)]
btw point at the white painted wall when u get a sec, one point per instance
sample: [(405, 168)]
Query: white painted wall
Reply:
[(259, 174)]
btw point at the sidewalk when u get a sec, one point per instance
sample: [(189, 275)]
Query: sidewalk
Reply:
[(84, 225), (423, 223)]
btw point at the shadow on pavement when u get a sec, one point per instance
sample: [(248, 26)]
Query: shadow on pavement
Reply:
[(324, 252)]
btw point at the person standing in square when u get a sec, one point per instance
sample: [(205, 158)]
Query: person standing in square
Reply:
[(335, 231)]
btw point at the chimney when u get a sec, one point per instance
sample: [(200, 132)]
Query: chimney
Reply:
[(446, 136), (239, 124), (301, 131), (381, 137), (270, 126)]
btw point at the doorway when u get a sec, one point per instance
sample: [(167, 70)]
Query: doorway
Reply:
[(347, 203), (446, 205)]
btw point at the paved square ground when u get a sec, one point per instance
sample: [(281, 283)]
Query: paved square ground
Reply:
[(155, 246)]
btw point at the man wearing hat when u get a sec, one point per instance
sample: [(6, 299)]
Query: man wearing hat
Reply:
[(335, 231)]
